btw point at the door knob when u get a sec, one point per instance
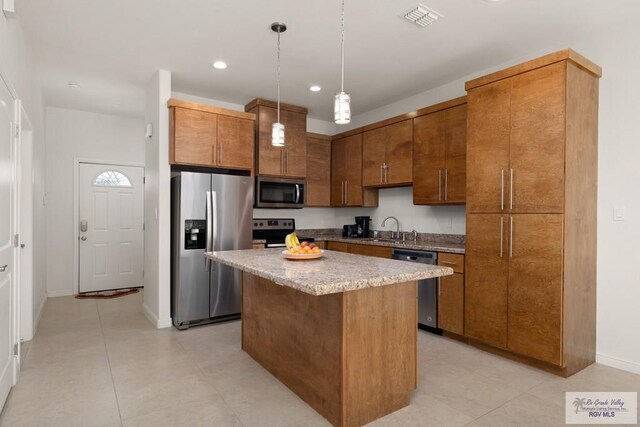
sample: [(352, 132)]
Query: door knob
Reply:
[(22, 245), (3, 268), (83, 238)]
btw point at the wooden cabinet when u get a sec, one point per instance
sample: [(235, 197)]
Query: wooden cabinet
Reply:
[(487, 277), (535, 286), (516, 158), (387, 154), (338, 246), (369, 250), (202, 135), (233, 151), (346, 173), (289, 161), (318, 191), (451, 294), (531, 210), (354, 248), (439, 154), (451, 303)]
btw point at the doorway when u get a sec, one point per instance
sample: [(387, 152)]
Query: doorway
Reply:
[(110, 226)]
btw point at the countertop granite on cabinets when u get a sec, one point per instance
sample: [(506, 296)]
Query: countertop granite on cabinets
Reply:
[(335, 272), (408, 244)]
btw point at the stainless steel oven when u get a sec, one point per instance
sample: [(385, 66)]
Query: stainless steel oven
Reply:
[(279, 192)]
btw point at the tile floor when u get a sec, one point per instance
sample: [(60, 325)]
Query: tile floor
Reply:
[(101, 363)]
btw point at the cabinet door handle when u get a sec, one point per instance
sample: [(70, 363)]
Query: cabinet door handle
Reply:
[(215, 154), (502, 190), (346, 192), (511, 237), (511, 190), (382, 173), (342, 193), (501, 234), (439, 287), (439, 184), (448, 263), (220, 155), (446, 184), (386, 173), (286, 161)]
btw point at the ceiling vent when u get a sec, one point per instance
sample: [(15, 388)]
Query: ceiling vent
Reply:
[(422, 15)]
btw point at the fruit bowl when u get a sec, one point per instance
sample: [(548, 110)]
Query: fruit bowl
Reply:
[(291, 256)]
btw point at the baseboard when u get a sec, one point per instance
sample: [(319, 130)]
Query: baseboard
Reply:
[(625, 365), (164, 323), (36, 320), (62, 293)]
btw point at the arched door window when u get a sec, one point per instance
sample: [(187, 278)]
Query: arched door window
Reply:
[(112, 178)]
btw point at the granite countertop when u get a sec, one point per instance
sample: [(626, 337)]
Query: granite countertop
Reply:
[(454, 248), (335, 272)]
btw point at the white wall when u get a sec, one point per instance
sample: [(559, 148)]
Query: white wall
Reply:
[(77, 134), (18, 68), (157, 203)]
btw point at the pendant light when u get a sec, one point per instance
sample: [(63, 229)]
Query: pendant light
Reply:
[(342, 103), (277, 131)]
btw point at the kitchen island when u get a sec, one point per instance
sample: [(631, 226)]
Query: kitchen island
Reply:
[(340, 331)]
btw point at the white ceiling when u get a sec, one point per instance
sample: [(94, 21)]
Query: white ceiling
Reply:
[(112, 48)]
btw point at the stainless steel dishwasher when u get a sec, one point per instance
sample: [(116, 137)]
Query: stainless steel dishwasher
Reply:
[(427, 289)]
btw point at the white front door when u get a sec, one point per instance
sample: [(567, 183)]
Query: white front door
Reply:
[(8, 152), (111, 227)]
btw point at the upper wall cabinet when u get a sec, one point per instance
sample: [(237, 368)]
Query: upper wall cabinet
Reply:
[(289, 161), (439, 154), (346, 172), (318, 190), (202, 135), (387, 154)]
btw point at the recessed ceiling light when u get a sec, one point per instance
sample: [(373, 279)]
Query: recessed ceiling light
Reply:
[(219, 65), (315, 88), (74, 85)]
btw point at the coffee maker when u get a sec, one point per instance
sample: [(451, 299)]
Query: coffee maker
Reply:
[(362, 226)]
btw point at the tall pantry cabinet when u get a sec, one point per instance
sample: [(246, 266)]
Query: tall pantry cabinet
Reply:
[(531, 210)]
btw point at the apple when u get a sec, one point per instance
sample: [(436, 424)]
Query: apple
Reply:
[(304, 244)]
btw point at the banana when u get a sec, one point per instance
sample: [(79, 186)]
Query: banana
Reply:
[(291, 241)]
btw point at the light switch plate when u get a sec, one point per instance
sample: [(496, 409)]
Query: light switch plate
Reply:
[(9, 8), (619, 213)]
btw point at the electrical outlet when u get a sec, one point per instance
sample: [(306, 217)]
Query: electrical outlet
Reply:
[(619, 213)]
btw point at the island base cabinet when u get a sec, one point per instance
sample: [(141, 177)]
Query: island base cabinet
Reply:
[(351, 356)]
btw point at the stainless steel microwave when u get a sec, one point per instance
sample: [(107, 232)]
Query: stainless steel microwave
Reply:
[(280, 192)]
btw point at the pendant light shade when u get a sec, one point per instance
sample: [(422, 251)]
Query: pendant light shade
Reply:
[(277, 130), (342, 102), (342, 108), (277, 135)]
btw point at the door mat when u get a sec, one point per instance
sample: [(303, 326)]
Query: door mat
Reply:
[(108, 294)]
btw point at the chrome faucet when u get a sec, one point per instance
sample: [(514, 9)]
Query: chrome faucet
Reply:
[(384, 221)]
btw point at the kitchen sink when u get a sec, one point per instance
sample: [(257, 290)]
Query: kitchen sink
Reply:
[(382, 240)]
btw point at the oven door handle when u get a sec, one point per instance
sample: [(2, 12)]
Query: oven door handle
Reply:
[(297, 194), (275, 245)]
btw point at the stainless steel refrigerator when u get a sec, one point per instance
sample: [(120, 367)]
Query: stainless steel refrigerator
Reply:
[(209, 212)]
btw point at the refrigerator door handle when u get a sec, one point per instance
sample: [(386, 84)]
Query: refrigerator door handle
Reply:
[(207, 261), (214, 216)]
